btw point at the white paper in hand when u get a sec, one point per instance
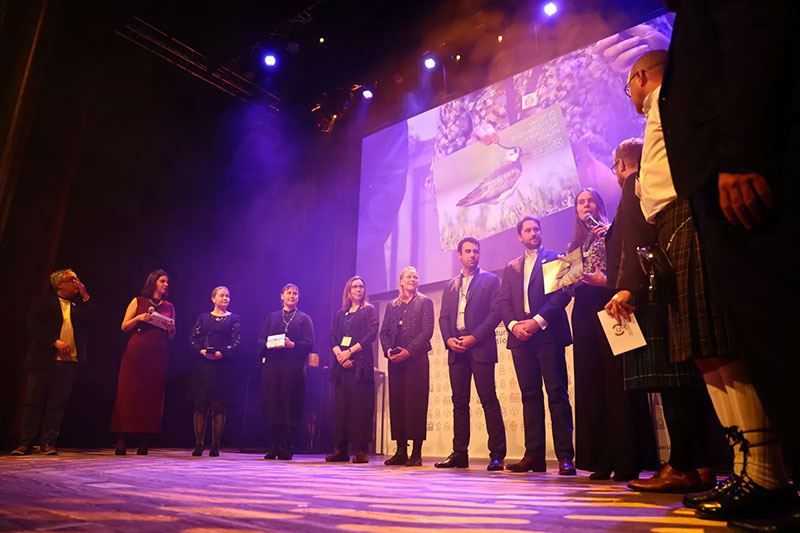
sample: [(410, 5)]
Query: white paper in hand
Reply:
[(622, 337), (276, 341), (557, 274)]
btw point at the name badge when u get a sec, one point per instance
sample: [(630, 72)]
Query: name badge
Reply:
[(346, 341)]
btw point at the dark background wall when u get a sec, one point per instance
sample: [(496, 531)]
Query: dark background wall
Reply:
[(130, 165)]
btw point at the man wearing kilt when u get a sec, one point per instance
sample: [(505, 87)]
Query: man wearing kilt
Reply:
[(687, 409), (697, 329)]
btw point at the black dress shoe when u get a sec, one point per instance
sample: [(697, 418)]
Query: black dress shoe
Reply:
[(565, 467), (495, 465), (142, 451), (120, 451), (337, 457), (455, 460), (198, 451), (692, 500), (285, 455), (749, 500), (414, 460), (625, 476), (397, 459), (600, 474), (528, 463), (272, 454), (361, 457)]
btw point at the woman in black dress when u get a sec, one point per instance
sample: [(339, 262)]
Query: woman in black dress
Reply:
[(605, 431), (215, 337), (406, 340), (354, 329), (286, 339)]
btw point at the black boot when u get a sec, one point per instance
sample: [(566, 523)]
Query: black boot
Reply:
[(275, 442), (287, 439), (199, 433), (400, 456), (217, 427)]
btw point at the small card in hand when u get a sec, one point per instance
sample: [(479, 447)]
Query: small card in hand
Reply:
[(276, 341)]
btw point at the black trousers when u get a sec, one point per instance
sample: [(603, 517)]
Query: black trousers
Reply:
[(409, 387), (45, 402), (353, 408), (694, 431), (533, 362), (461, 372)]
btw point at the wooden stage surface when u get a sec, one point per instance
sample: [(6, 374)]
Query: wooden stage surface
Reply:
[(169, 490)]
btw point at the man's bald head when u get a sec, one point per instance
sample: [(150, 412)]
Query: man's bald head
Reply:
[(653, 62), (646, 76)]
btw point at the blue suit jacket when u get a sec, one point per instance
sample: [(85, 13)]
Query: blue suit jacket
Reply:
[(549, 306), (481, 316)]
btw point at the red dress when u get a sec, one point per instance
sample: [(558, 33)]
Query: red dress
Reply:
[(142, 374)]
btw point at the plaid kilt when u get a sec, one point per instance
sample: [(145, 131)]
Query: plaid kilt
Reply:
[(696, 325), (648, 368)]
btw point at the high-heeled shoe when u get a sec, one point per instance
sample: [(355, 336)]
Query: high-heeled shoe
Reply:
[(198, 451), (120, 451), (214, 452), (142, 451)]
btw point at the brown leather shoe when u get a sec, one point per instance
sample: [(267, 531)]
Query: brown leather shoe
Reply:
[(669, 480), (361, 457), (49, 449), (566, 467), (527, 463), (22, 449)]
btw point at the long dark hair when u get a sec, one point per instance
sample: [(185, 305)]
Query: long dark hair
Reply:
[(149, 286), (581, 229)]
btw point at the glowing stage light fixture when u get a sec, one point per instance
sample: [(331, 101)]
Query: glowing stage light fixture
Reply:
[(321, 40), (430, 63), (458, 57), (550, 9), (367, 94), (499, 38), (270, 60)]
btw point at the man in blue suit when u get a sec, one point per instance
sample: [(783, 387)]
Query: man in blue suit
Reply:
[(538, 332), (469, 315)]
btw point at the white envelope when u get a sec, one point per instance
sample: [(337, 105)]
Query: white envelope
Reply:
[(276, 341), (622, 337)]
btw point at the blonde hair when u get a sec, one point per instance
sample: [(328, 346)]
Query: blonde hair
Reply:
[(400, 289), (217, 289)]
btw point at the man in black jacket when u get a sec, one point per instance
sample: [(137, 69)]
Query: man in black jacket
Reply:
[(56, 324), (538, 333), (469, 315)]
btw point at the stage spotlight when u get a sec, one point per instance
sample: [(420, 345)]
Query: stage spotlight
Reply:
[(550, 9), (499, 38), (458, 57), (270, 60), (366, 93), (430, 63), (321, 40)]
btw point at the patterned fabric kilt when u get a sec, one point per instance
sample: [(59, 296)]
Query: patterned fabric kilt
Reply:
[(696, 325), (648, 368)]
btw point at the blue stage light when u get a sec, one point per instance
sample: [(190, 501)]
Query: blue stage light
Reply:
[(430, 63), (550, 9), (270, 60), (367, 94)]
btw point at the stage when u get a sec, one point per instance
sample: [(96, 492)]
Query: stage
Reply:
[(169, 490)]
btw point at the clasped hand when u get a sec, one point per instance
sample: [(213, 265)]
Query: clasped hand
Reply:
[(211, 356), (525, 329), (461, 344), (398, 357)]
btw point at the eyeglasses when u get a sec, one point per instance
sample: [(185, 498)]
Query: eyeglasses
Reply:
[(614, 166), (627, 88)]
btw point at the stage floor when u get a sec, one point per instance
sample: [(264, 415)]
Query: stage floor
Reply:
[(169, 490)]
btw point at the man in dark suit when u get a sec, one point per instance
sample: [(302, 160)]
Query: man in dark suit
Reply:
[(538, 332), (469, 315), (729, 109), (56, 324)]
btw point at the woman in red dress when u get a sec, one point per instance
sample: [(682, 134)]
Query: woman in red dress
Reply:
[(142, 373)]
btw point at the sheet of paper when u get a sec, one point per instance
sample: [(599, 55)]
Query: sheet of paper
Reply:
[(558, 274), (622, 337)]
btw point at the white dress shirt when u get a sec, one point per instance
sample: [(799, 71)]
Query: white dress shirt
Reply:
[(466, 281), (531, 256), (655, 188)]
